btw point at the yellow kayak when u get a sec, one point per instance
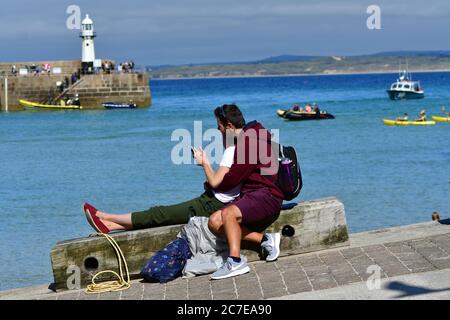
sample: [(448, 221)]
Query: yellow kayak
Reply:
[(407, 123), (441, 119), (30, 104)]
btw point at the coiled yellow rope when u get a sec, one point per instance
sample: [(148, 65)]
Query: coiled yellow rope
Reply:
[(115, 285)]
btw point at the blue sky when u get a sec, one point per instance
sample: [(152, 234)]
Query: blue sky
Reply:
[(196, 31)]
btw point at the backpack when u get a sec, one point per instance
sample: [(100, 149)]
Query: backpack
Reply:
[(167, 264), (289, 174)]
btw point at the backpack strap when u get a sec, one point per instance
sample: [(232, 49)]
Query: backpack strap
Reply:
[(281, 150)]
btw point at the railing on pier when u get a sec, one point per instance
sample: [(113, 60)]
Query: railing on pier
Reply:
[(65, 91)]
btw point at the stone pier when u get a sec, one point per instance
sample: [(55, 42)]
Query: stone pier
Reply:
[(93, 89)]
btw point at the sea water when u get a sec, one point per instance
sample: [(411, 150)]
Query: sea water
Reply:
[(120, 160)]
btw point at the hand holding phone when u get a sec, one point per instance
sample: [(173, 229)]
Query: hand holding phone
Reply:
[(199, 156)]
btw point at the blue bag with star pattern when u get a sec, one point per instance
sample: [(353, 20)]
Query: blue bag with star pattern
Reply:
[(167, 264)]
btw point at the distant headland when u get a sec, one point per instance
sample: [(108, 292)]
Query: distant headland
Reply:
[(291, 65)]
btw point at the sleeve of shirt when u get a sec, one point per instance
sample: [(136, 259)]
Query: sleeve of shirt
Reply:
[(227, 158), (237, 174)]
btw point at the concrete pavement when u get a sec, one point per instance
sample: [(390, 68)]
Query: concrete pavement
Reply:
[(412, 262)]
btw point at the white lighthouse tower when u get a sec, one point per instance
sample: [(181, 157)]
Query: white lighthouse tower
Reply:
[(88, 51)]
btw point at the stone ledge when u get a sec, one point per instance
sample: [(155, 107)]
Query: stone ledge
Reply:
[(314, 225)]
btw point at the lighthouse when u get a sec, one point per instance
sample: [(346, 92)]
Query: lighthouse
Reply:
[(87, 51)]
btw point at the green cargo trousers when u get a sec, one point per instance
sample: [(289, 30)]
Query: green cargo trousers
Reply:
[(180, 213)]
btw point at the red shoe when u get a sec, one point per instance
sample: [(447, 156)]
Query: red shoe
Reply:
[(93, 220)]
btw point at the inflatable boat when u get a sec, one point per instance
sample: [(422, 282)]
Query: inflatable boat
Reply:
[(297, 115)]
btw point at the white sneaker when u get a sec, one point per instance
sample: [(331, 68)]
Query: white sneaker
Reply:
[(230, 268), (271, 246)]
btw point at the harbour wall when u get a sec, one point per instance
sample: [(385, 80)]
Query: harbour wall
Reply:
[(93, 89), (67, 66)]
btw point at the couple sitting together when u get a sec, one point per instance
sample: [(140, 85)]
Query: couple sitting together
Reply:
[(239, 200)]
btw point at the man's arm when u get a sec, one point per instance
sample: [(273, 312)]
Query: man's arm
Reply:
[(214, 178), (237, 174)]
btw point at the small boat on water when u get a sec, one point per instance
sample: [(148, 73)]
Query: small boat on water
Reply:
[(119, 105), (441, 119), (35, 105), (407, 122), (302, 115), (405, 88)]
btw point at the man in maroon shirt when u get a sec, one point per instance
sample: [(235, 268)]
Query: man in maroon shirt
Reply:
[(255, 168)]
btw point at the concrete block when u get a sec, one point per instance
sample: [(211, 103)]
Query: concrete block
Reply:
[(305, 227)]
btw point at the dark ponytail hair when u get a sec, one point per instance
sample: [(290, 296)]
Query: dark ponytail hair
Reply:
[(230, 113)]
